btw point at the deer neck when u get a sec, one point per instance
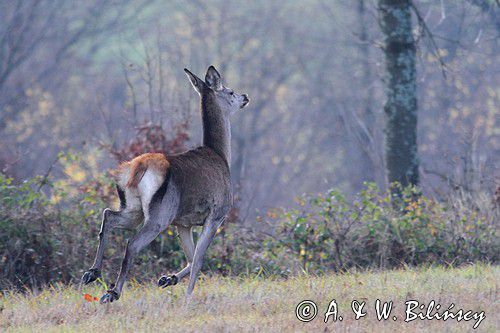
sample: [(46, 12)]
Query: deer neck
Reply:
[(216, 127)]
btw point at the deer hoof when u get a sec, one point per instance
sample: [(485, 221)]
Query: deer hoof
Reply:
[(109, 297), (166, 281), (91, 275)]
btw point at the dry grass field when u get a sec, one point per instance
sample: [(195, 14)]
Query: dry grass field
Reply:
[(263, 305)]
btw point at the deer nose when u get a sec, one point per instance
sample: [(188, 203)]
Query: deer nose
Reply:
[(245, 101)]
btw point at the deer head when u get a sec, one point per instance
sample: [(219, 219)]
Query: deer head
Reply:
[(217, 104), (226, 99)]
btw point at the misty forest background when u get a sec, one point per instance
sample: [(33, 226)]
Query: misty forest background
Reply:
[(331, 123)]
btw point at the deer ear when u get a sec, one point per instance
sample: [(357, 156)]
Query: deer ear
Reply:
[(195, 81), (212, 79)]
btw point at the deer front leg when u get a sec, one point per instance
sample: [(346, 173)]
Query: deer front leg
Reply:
[(110, 220), (206, 237), (187, 244)]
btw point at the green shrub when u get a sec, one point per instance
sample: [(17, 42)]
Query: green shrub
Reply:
[(51, 238), (378, 229)]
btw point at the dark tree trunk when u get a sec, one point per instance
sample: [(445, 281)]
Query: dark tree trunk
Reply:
[(401, 104)]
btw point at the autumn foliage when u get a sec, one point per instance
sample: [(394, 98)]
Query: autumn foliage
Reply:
[(153, 138)]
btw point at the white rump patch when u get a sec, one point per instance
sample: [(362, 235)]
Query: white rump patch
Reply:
[(149, 184), (140, 197)]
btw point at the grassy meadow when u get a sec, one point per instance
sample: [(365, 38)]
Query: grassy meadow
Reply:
[(262, 304)]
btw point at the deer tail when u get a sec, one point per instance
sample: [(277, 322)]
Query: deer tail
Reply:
[(136, 173)]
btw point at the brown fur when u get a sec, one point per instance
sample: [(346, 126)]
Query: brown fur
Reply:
[(139, 165)]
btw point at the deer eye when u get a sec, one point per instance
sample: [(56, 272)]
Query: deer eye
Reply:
[(231, 93)]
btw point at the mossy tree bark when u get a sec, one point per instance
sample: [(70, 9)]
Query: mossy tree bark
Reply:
[(401, 104)]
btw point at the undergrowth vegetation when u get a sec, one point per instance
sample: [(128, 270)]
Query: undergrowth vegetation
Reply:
[(52, 238), (382, 229)]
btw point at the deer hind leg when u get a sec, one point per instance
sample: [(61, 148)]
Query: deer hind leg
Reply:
[(127, 217), (187, 244), (161, 212)]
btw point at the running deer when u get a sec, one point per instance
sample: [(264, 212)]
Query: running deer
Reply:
[(186, 190)]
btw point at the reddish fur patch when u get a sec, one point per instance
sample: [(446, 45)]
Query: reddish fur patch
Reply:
[(139, 165)]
